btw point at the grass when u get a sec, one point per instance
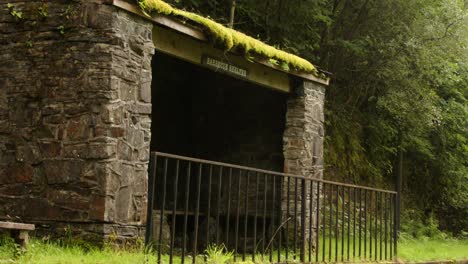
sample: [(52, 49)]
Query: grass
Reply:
[(425, 249), (40, 252), (410, 250)]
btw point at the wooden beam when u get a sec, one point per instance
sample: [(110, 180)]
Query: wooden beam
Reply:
[(183, 47), (16, 226), (162, 20)]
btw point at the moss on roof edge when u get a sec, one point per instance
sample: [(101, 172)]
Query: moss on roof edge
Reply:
[(230, 39)]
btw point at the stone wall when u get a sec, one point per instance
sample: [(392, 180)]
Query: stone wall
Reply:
[(303, 149), (75, 106)]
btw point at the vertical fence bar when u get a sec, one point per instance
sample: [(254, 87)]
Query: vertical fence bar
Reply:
[(330, 232), (303, 222), (265, 189), (272, 216), (391, 211), (218, 207), (208, 210), (396, 225), (311, 212), (376, 215), (287, 215), (343, 223), (381, 201), (370, 225), (151, 195), (174, 207), (386, 225), (279, 214), (246, 213), (317, 224), (349, 222), (237, 214), (187, 195), (365, 224), (354, 221), (197, 214), (255, 218), (360, 223), (163, 204), (295, 218), (228, 216), (324, 222), (337, 206)]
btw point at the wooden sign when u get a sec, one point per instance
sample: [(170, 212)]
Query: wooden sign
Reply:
[(221, 65)]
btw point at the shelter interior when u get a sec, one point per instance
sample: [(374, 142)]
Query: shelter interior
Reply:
[(198, 112)]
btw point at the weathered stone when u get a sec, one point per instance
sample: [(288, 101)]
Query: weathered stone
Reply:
[(303, 143), (145, 89), (123, 201), (101, 151), (50, 149), (79, 128), (63, 171), (17, 173)]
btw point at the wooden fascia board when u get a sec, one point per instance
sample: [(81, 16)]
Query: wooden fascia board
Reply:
[(188, 49)]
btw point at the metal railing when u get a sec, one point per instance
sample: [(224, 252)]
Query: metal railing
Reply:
[(264, 215)]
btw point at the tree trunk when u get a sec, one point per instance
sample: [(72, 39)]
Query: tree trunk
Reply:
[(232, 13)]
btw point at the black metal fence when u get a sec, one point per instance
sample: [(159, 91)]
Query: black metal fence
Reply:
[(264, 215)]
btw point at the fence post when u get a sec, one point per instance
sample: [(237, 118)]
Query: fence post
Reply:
[(398, 199), (303, 218), (151, 190)]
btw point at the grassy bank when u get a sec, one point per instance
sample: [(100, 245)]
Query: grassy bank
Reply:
[(53, 253)]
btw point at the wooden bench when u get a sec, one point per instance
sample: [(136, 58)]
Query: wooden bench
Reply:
[(18, 231)]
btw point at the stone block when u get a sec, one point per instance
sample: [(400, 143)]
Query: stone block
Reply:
[(63, 171), (17, 173), (101, 151), (78, 128), (50, 149), (98, 208), (124, 150), (122, 204)]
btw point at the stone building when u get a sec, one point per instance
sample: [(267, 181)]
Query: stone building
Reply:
[(89, 88)]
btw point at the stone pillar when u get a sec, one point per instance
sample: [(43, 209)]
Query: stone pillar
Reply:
[(75, 117), (303, 148)]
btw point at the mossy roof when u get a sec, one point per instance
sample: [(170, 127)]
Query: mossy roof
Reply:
[(232, 40)]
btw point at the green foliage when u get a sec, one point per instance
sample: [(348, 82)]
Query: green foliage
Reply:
[(16, 14), (218, 254), (416, 226), (43, 11), (61, 29)]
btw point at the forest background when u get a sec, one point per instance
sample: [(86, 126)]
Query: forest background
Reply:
[(397, 102)]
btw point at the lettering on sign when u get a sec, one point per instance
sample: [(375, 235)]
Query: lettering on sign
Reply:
[(224, 66)]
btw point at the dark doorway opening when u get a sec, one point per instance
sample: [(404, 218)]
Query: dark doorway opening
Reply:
[(205, 114), (201, 113)]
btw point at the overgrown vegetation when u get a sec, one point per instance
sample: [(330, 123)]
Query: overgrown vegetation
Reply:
[(399, 85), (229, 39)]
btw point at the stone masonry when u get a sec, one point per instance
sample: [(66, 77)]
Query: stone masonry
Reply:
[(75, 119), (303, 150), (75, 105)]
